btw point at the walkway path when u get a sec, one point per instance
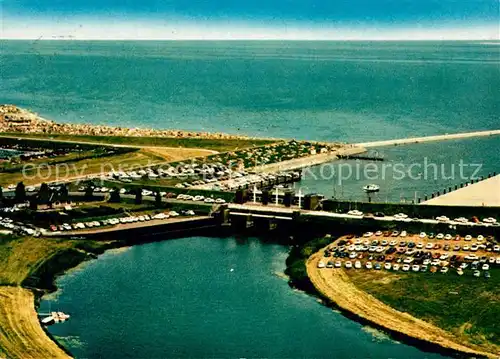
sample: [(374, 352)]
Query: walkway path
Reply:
[(404, 141)]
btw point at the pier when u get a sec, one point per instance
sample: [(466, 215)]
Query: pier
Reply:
[(405, 141), (484, 193)]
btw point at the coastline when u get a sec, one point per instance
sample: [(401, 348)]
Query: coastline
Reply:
[(340, 290), (19, 304)]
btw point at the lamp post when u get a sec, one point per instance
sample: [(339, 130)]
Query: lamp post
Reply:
[(254, 194), (300, 198), (276, 193), (301, 195)]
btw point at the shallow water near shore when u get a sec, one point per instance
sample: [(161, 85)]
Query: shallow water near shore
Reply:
[(204, 297)]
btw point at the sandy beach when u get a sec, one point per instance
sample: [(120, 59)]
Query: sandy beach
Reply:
[(483, 193)]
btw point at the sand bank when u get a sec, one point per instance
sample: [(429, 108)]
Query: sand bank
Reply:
[(483, 193)]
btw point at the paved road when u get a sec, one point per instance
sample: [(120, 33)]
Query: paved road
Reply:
[(281, 211)]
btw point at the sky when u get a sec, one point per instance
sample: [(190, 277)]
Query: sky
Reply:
[(256, 19)]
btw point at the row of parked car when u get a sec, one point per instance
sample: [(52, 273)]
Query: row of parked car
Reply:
[(406, 267), (19, 227), (402, 217), (408, 247), (422, 235), (115, 221), (200, 198)]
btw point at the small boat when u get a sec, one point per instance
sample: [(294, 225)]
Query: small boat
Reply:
[(62, 316), (55, 317), (48, 320), (371, 188)]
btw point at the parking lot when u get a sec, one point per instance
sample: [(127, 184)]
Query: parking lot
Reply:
[(422, 252)]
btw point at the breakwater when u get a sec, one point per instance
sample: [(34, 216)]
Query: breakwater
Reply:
[(404, 141)]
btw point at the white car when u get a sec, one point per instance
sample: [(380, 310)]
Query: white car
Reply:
[(415, 267), (400, 216), (357, 265), (387, 266), (442, 219), (338, 264), (489, 220), (461, 220), (468, 237), (420, 245), (444, 270), (408, 260), (368, 265), (209, 200), (423, 235), (406, 267), (220, 201), (378, 233), (403, 234), (368, 234), (395, 267), (480, 237), (485, 266), (173, 213), (160, 216), (321, 265), (123, 191), (429, 245), (348, 265), (355, 212), (448, 237)]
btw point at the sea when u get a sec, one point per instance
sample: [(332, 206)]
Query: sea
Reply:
[(226, 297)]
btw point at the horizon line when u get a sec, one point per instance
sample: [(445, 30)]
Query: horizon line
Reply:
[(69, 38)]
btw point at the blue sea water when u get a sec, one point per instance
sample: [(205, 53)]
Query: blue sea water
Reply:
[(345, 91), (179, 298)]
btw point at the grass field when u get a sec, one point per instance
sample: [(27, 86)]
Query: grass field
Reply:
[(19, 257), (220, 145), (467, 306), (21, 336), (79, 169)]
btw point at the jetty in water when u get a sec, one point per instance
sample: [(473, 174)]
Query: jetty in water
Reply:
[(406, 141)]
